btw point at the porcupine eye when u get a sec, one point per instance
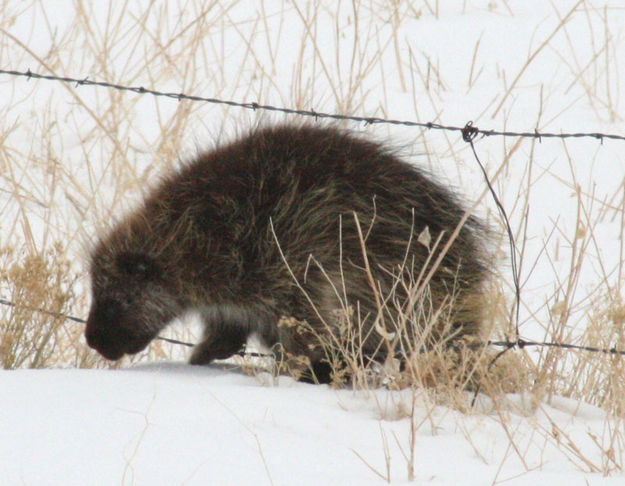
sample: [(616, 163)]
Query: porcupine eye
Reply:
[(139, 266)]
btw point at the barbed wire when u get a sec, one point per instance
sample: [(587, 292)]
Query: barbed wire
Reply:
[(469, 134), (519, 343), (310, 113)]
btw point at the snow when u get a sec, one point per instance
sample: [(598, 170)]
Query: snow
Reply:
[(169, 423)]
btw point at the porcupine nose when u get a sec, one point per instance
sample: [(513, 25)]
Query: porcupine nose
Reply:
[(102, 332)]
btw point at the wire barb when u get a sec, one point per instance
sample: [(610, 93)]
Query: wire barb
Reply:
[(467, 131)]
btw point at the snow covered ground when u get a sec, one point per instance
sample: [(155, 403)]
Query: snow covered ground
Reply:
[(72, 158), (170, 423)]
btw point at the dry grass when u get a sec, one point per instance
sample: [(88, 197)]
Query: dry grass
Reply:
[(421, 352), (28, 337)]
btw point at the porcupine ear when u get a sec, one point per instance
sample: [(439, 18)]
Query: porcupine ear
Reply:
[(138, 266)]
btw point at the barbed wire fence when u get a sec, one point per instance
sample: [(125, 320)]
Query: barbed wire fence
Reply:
[(469, 134)]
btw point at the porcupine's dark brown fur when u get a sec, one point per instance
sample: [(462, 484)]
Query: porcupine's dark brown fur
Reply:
[(214, 237)]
